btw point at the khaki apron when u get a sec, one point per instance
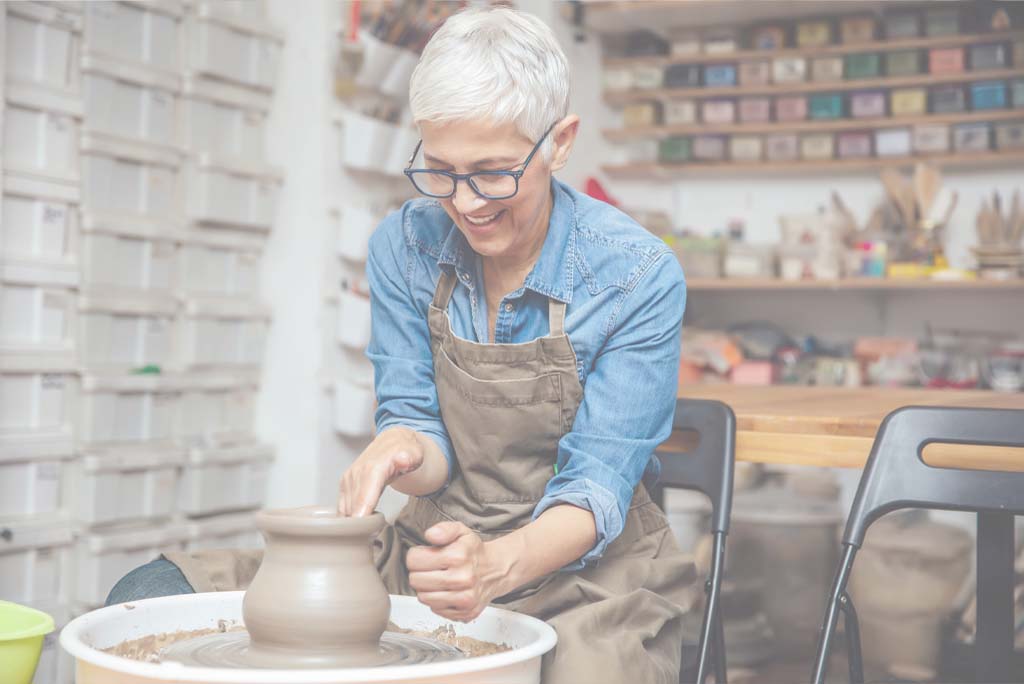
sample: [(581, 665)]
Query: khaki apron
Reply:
[(505, 407)]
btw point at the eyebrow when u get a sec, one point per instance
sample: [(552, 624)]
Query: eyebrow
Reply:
[(510, 161)]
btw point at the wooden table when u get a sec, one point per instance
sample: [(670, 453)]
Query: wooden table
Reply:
[(822, 426)]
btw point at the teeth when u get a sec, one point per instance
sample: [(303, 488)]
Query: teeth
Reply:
[(482, 221)]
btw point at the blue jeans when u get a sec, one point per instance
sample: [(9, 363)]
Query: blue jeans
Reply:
[(160, 577)]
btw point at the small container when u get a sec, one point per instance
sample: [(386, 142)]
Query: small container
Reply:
[(790, 108), (863, 65), (682, 76), (755, 73), (987, 95), (755, 109), (826, 106), (817, 146), (972, 137), (769, 37), (684, 43), (781, 147), (719, 75), (718, 111), (1010, 136), (789, 69), (640, 151), (743, 260), (813, 33), (677, 112), (946, 61), (720, 41), (648, 77), (645, 43), (931, 138), (1018, 53), (709, 147), (942, 21), (674, 150), (1017, 93), (867, 105), (857, 29), (902, 25), (948, 99), (746, 148), (892, 142), (617, 79), (903, 63), (908, 101), (989, 56), (853, 144), (641, 114), (827, 69)]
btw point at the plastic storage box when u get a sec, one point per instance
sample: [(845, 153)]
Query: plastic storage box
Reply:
[(225, 194), (43, 44), (37, 316), (104, 557), (41, 129), (39, 224), (36, 411), (228, 334), (224, 120), (124, 333), (35, 557), (142, 33), (228, 531), (221, 480), (126, 486), (244, 52), (30, 476), (219, 264), (128, 409), (117, 263), (216, 410)]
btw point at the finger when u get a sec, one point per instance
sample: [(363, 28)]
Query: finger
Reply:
[(445, 533), (426, 559), (370, 491), (440, 580), (461, 602)]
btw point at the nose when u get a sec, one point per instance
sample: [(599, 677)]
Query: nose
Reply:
[(465, 200)]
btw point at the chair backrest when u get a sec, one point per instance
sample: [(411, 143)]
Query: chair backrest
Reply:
[(708, 467), (897, 477)]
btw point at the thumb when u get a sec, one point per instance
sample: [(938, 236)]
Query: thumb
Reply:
[(445, 533)]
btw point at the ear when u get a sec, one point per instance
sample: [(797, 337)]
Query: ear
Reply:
[(564, 135)]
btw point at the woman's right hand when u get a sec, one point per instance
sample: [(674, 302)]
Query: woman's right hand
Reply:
[(393, 453)]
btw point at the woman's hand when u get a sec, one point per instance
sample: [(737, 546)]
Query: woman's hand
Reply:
[(459, 575), (393, 453)]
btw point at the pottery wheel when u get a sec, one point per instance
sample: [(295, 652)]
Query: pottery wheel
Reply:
[(231, 650)]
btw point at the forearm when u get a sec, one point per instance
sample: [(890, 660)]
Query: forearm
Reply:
[(559, 536), (431, 475)]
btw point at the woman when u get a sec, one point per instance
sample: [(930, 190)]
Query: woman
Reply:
[(525, 346)]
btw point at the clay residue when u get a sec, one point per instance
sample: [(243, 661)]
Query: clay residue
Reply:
[(445, 634), (147, 649)]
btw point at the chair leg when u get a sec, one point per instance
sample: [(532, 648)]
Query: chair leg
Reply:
[(854, 658), (711, 631), (832, 614)]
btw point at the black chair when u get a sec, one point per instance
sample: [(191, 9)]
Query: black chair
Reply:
[(896, 477), (707, 468)]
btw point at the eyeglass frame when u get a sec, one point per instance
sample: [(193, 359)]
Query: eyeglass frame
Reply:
[(467, 177)]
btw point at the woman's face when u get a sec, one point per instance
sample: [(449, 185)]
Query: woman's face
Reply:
[(511, 227)]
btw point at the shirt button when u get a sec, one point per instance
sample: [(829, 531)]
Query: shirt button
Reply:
[(509, 308), (465, 278)]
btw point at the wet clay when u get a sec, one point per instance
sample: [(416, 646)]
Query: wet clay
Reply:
[(445, 634), (148, 649)]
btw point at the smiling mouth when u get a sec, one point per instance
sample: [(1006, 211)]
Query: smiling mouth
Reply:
[(483, 221)]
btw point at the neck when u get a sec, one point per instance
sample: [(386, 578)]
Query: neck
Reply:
[(507, 272)]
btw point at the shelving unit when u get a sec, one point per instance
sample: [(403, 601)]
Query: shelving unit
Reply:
[(848, 284)]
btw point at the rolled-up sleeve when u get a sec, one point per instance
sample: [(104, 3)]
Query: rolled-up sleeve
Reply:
[(628, 405), (399, 348)]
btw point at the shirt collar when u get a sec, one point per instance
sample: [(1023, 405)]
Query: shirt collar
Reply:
[(552, 275)]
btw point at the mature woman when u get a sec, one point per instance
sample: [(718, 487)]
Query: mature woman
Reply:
[(525, 346)]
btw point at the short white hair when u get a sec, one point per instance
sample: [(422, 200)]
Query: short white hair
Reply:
[(496, 64)]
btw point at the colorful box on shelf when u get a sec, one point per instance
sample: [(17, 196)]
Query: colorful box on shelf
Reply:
[(791, 108), (789, 69), (755, 73), (826, 106), (948, 99), (853, 144), (931, 138), (684, 42), (942, 21), (675, 149), (746, 148), (863, 65), (682, 76), (827, 69), (813, 33), (903, 63), (641, 114), (755, 109), (867, 105), (768, 37), (648, 77), (1018, 52), (782, 147), (892, 142), (709, 147), (945, 61), (1010, 136), (902, 25), (719, 75), (678, 112), (908, 101), (644, 43), (989, 56), (817, 146), (972, 137), (718, 111), (1017, 93), (857, 29), (617, 79), (720, 41), (987, 95)]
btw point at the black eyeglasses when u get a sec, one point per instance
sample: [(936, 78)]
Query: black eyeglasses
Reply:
[(492, 185)]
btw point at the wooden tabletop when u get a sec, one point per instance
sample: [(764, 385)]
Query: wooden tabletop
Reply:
[(831, 426)]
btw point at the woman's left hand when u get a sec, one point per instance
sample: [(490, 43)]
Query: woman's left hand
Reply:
[(456, 577)]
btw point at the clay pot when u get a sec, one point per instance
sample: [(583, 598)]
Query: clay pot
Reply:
[(317, 599)]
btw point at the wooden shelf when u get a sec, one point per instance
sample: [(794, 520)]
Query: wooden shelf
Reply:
[(822, 51), (713, 92), (656, 171), (847, 284), (810, 125)]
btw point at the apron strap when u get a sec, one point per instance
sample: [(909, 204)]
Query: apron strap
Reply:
[(445, 288), (556, 317)]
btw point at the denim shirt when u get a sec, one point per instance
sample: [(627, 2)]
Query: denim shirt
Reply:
[(625, 296)]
